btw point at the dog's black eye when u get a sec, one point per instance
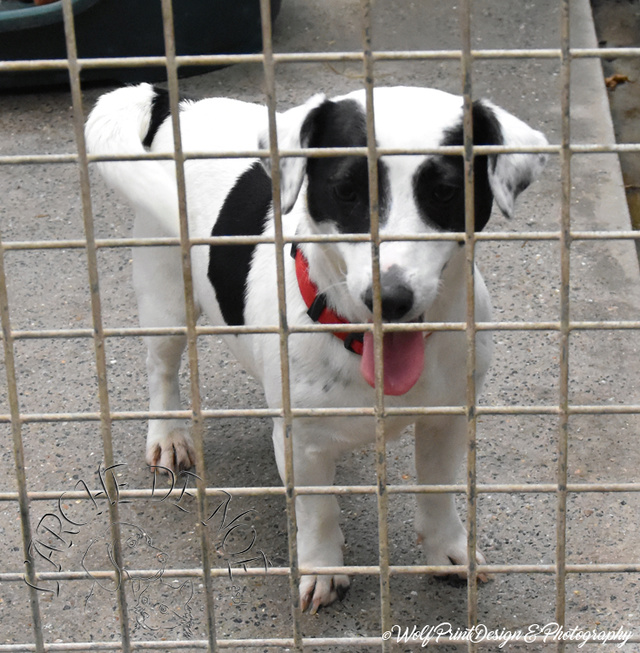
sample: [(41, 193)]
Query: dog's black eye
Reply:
[(345, 191), (444, 193)]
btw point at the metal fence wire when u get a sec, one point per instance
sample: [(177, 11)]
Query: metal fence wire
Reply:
[(44, 581)]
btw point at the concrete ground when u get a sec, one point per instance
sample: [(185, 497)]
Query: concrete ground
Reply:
[(48, 290)]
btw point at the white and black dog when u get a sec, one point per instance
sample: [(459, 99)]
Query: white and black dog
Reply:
[(328, 282)]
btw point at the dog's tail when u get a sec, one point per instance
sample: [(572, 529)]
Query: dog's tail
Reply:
[(120, 124)]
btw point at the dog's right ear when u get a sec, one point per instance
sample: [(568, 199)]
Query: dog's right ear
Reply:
[(294, 133), (510, 174)]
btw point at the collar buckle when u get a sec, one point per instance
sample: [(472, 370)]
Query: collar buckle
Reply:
[(316, 308), (354, 342)]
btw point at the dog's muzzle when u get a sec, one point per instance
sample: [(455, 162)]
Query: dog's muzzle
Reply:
[(403, 351), (396, 294)]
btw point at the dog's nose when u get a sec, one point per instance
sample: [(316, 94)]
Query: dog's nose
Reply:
[(397, 296)]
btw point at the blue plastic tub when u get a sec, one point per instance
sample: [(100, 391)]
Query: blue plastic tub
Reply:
[(124, 28)]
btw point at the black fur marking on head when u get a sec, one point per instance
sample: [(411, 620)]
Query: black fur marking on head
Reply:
[(338, 189), (160, 111), (243, 214), (439, 182)]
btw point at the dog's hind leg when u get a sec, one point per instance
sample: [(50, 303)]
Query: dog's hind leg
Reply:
[(157, 275), (320, 539), (440, 448)]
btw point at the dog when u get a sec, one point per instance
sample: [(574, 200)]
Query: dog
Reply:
[(330, 282)]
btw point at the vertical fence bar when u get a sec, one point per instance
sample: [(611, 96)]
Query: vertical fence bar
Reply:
[(197, 423), (96, 310), (18, 453), (287, 421), (374, 216), (466, 64), (565, 260)]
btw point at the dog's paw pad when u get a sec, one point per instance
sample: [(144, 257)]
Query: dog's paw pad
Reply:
[(175, 452), (450, 548), (461, 559), (316, 591)]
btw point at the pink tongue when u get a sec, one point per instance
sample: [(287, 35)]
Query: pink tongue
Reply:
[(403, 361)]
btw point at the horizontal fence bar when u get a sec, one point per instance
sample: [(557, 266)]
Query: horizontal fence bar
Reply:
[(315, 57), (114, 243), (347, 641), (482, 488), (354, 570), (452, 150), (125, 332), (410, 411)]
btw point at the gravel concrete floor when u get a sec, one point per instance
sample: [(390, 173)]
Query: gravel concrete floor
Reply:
[(49, 290)]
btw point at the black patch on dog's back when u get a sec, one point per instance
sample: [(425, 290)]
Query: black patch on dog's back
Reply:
[(243, 214), (338, 189), (439, 183), (160, 111)]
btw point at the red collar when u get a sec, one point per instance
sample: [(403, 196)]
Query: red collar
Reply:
[(317, 304)]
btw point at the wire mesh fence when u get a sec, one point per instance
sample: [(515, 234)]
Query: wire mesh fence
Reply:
[(156, 607)]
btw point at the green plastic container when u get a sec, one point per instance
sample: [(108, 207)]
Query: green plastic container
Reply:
[(124, 28)]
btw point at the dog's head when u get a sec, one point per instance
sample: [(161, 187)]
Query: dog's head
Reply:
[(417, 193)]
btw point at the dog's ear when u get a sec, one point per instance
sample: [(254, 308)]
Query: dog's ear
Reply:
[(510, 174), (293, 134)]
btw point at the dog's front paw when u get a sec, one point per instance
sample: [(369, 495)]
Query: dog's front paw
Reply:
[(451, 552), (173, 451), (316, 591)]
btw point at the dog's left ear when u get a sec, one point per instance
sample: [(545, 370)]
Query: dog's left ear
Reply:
[(292, 135), (510, 174)]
